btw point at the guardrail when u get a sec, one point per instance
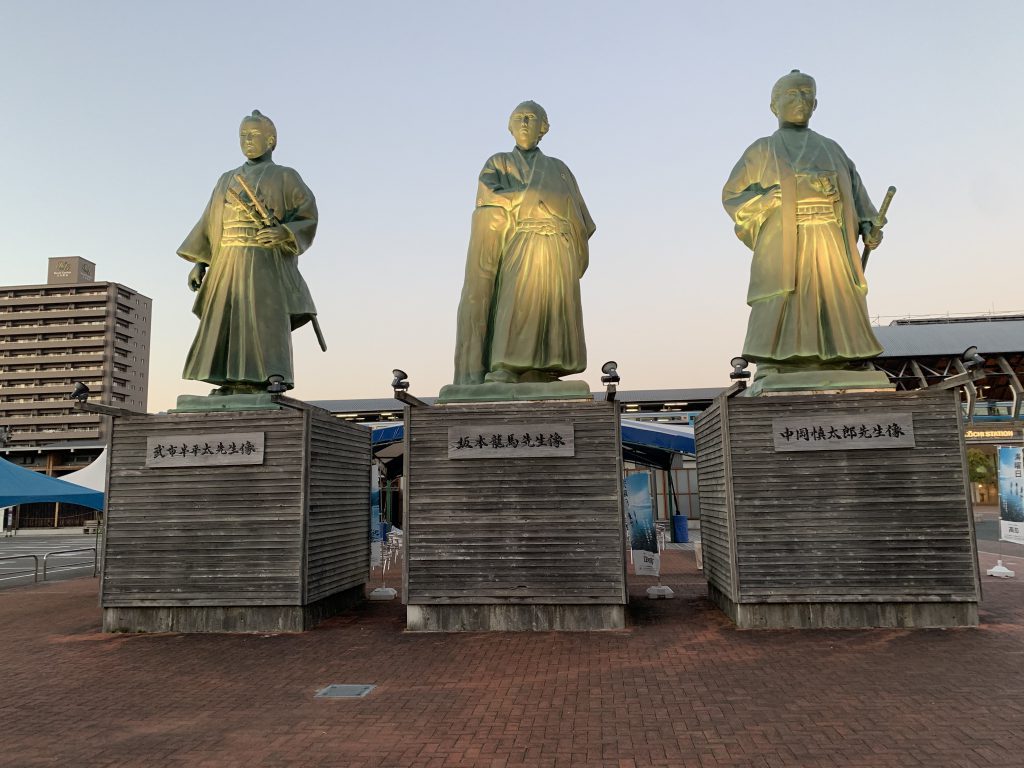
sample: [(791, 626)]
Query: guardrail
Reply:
[(72, 552), (35, 572)]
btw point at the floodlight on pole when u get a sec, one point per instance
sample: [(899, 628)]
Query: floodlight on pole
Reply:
[(400, 385), (610, 378), (739, 368), (80, 392), (971, 358)]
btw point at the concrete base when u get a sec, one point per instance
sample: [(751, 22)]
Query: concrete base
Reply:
[(217, 618), (514, 618), (500, 393), (816, 380), (838, 615), (260, 401)]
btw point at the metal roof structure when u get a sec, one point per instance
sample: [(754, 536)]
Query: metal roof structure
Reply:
[(923, 338), (920, 352)]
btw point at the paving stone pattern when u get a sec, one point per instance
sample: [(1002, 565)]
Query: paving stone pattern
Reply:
[(680, 687)]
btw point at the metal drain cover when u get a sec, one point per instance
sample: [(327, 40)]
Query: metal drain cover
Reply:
[(341, 691)]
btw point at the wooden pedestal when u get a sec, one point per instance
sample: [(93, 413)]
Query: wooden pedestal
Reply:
[(215, 545), (523, 539), (831, 536)]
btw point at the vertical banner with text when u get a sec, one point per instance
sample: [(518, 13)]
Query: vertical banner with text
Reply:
[(643, 538), (375, 529), (1011, 494)]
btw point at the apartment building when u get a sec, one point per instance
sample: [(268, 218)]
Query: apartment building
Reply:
[(72, 329)]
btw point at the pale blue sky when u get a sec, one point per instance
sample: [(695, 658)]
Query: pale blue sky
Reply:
[(120, 116)]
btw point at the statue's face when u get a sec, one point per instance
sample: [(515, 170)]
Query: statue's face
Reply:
[(255, 139), (526, 127), (795, 101)]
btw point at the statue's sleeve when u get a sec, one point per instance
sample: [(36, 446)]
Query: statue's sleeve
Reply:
[(586, 223), (196, 247), (746, 198), (866, 211), (492, 189), (300, 217)]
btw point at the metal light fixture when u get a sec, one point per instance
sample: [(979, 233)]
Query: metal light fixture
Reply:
[(80, 392), (739, 368), (971, 358), (276, 385), (611, 373), (610, 379), (400, 384)]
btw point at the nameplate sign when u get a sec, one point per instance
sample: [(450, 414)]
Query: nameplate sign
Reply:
[(844, 432), (517, 441), (217, 449)]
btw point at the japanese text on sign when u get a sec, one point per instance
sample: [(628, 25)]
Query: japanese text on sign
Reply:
[(488, 441), (844, 432), (197, 450)]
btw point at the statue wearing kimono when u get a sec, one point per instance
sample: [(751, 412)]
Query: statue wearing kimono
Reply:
[(798, 203), (520, 317), (250, 295)]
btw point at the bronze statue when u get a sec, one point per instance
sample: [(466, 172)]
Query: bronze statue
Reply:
[(520, 318), (799, 204), (245, 247)]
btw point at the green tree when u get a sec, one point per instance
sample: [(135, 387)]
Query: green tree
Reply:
[(981, 466)]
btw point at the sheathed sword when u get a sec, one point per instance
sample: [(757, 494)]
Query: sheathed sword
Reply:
[(268, 220), (261, 216), (876, 225)]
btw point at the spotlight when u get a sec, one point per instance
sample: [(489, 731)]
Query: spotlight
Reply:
[(971, 357), (401, 380), (276, 385), (80, 392), (611, 373), (400, 383), (739, 368)]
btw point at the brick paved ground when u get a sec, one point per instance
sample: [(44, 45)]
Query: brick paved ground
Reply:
[(679, 688)]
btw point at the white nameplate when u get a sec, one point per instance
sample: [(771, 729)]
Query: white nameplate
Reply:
[(496, 441), (844, 432), (217, 449)]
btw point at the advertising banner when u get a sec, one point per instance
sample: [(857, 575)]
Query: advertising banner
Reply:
[(643, 538), (1011, 494), (375, 528)]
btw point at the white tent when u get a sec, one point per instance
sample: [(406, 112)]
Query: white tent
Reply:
[(93, 476)]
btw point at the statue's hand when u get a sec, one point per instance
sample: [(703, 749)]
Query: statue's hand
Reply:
[(270, 236), (195, 277), (873, 238), (871, 234)]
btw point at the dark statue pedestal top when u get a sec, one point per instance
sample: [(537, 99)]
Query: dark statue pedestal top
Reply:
[(257, 401), (498, 392)]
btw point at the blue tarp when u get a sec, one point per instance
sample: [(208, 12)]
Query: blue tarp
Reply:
[(23, 486), (676, 438)]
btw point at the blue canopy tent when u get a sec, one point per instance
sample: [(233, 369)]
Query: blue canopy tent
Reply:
[(23, 486), (656, 443)]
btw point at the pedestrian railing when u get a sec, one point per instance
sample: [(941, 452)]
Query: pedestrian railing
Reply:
[(72, 552), (18, 574)]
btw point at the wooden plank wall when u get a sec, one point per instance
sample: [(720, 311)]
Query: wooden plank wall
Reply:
[(338, 527), (713, 487), (211, 536), (541, 530), (852, 525)]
